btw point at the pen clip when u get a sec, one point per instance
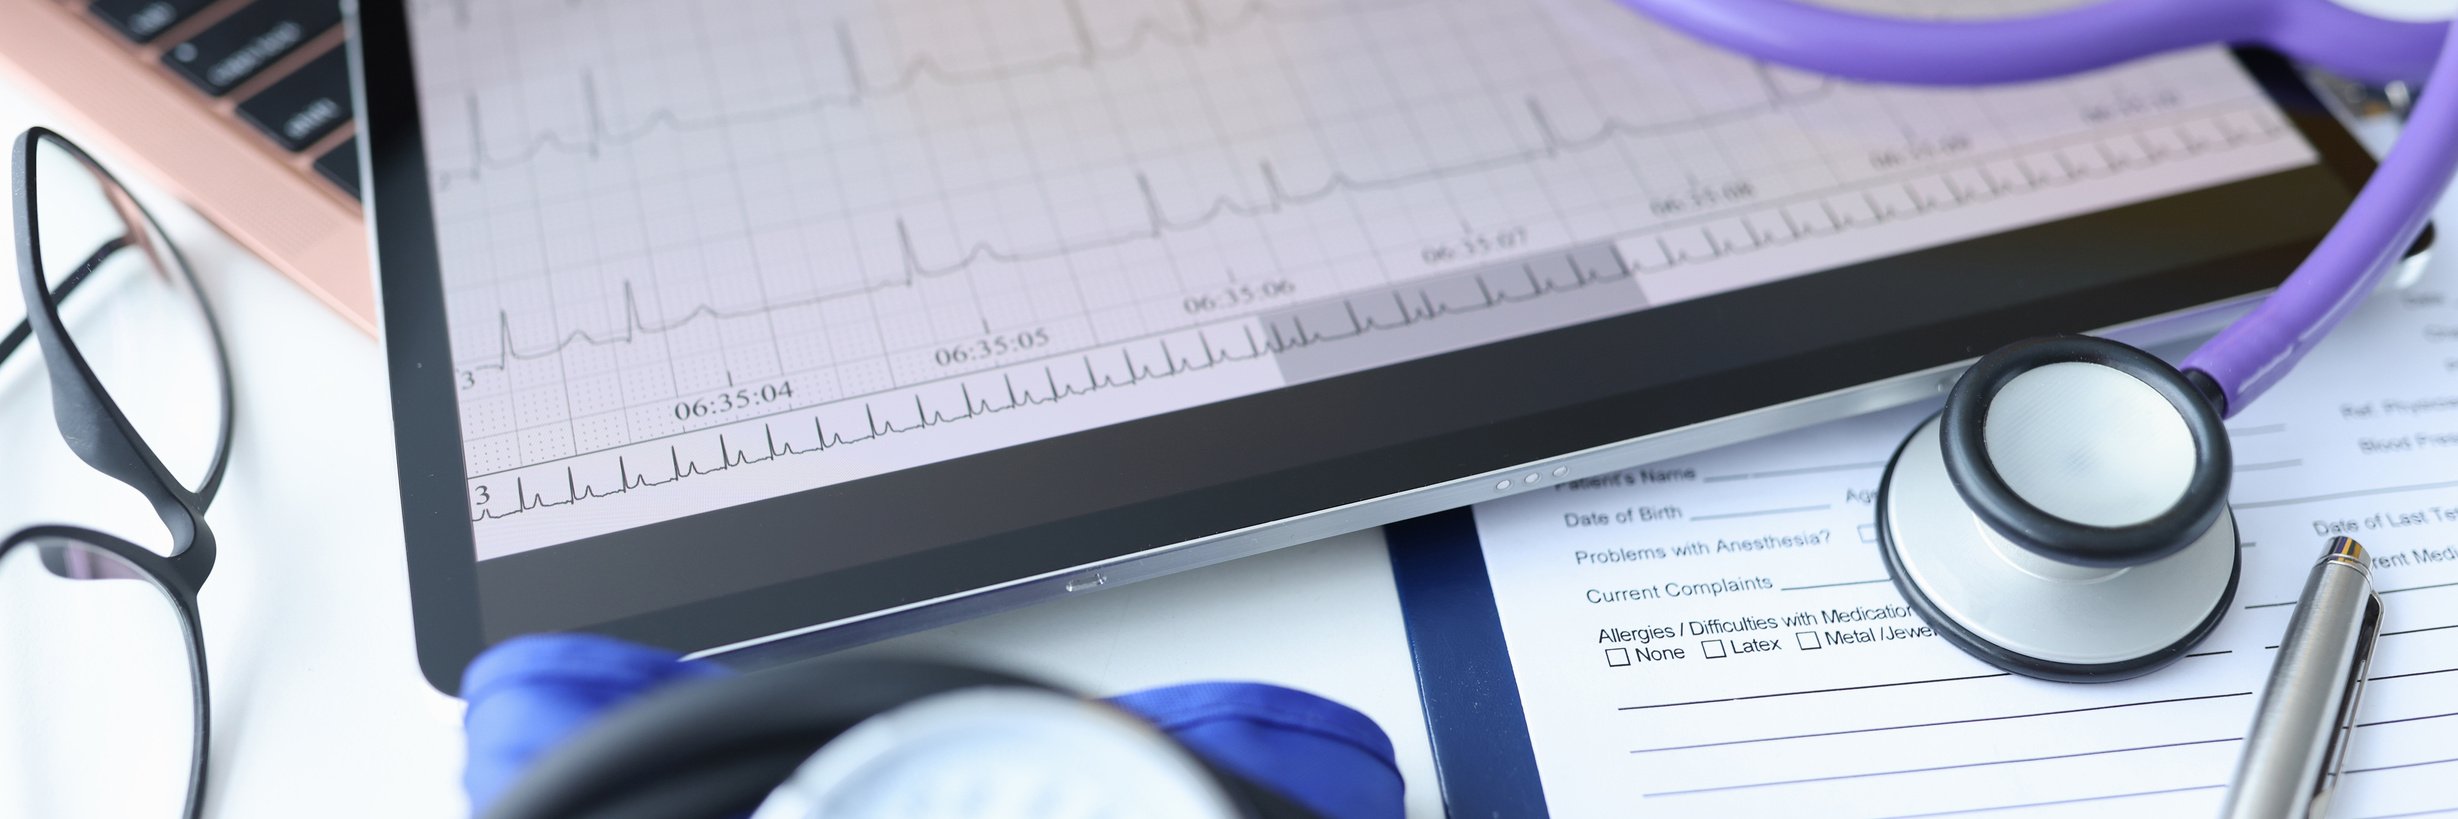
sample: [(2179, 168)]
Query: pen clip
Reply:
[(2336, 756)]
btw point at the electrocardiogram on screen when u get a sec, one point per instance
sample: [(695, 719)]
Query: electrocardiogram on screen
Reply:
[(700, 255)]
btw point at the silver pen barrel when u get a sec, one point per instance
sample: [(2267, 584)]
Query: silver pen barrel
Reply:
[(2298, 741)]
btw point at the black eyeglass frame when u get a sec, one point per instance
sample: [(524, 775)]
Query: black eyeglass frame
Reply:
[(95, 427)]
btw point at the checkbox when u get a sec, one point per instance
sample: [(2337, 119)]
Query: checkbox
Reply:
[(1808, 640), (1711, 649), (1869, 533), (1617, 657)]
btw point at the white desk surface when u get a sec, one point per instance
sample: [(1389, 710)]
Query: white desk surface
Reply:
[(317, 699)]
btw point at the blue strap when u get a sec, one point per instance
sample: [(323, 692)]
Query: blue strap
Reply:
[(1322, 754), (530, 694)]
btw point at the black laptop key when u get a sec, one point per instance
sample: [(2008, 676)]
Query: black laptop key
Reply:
[(340, 166), (301, 108), (234, 49), (142, 20)]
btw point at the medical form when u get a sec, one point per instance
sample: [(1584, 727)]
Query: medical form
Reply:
[(1717, 635)]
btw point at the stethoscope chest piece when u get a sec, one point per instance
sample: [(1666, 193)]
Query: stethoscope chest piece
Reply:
[(1000, 752), (2065, 515)]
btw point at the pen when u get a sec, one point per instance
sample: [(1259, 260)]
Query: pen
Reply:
[(2299, 737)]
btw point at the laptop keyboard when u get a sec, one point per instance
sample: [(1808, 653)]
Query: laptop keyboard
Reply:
[(301, 108), (229, 58), (340, 166), (142, 20), (233, 50)]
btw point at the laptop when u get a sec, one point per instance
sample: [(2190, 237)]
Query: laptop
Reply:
[(242, 108)]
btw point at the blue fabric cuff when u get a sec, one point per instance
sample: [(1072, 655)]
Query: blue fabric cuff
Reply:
[(1322, 754), (530, 694)]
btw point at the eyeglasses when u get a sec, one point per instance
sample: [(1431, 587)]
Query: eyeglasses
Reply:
[(102, 668)]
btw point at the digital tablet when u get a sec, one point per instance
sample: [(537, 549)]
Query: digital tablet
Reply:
[(715, 324)]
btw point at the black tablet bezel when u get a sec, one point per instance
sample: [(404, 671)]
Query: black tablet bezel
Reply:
[(1158, 501)]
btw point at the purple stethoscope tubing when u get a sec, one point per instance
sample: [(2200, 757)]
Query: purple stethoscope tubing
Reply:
[(2257, 350)]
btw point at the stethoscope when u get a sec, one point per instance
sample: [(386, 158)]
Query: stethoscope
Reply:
[(853, 739), (2066, 515)]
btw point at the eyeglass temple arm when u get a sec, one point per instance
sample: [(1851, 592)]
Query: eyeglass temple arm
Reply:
[(17, 337)]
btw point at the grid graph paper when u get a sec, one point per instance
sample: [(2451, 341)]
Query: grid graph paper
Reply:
[(702, 254)]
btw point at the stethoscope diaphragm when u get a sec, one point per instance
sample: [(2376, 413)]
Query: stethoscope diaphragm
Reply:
[(2065, 515)]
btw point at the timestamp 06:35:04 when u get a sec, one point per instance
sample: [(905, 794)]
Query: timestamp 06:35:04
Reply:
[(733, 400)]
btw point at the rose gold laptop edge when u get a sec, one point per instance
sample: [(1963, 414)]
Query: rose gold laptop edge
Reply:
[(123, 98)]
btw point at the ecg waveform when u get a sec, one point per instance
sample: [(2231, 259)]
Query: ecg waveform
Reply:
[(1868, 210), (1399, 307), (1198, 27), (1280, 196), (1158, 222), (923, 417), (681, 239), (1515, 282), (914, 266)]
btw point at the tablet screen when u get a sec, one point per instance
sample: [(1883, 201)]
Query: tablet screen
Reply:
[(711, 321), (702, 255)]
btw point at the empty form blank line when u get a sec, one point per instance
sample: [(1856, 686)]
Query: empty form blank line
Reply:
[(1845, 583), (1812, 691), (2417, 630), (2382, 591), (2344, 495), (2099, 798), (1783, 473), (1783, 511), (2380, 677), (2432, 812), (2385, 591), (1955, 766), (2403, 765), (2421, 588), (1939, 723), (2406, 719)]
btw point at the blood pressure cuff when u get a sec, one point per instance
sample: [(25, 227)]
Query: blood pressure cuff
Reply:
[(530, 694)]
